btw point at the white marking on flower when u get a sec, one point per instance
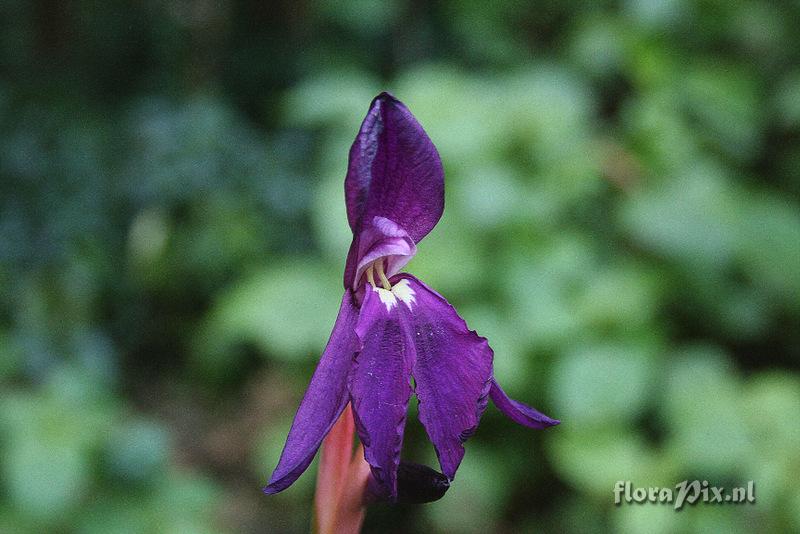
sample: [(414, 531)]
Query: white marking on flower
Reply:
[(401, 290), (387, 298)]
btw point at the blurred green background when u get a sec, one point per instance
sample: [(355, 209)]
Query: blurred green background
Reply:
[(622, 223)]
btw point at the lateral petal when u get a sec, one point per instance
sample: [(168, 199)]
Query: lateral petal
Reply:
[(517, 411), (380, 387), (452, 371), (324, 400), (394, 171)]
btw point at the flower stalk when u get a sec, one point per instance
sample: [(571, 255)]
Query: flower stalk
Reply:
[(341, 481)]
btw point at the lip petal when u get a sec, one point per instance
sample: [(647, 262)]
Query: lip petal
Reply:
[(394, 171), (323, 402), (380, 389)]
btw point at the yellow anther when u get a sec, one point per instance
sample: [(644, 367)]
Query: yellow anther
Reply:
[(385, 281), (371, 276)]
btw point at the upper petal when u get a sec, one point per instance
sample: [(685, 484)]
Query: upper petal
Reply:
[(394, 171), (323, 402), (452, 371), (380, 387), (517, 411)]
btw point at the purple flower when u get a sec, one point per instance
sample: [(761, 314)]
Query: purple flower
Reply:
[(394, 335)]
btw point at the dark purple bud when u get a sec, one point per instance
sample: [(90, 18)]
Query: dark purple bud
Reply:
[(416, 484)]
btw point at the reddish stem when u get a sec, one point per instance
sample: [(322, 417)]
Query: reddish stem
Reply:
[(341, 481)]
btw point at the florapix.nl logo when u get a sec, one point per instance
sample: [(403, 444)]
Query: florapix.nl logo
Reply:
[(685, 492)]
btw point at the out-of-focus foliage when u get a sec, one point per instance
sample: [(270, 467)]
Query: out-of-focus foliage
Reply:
[(622, 223)]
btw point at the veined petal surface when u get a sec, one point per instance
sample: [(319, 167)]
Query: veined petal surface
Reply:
[(380, 386), (452, 371)]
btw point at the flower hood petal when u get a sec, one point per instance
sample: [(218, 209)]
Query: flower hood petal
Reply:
[(394, 171)]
